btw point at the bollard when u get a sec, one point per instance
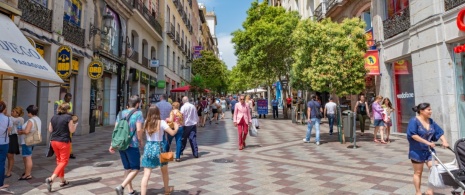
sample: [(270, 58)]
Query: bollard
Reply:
[(354, 133)]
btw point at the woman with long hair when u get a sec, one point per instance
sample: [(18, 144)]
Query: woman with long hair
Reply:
[(361, 108), (214, 106), (175, 117), (155, 129), (61, 127), (422, 132), (388, 109), (378, 119), (13, 148), (33, 124)]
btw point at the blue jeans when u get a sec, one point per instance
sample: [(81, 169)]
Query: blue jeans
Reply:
[(313, 122), (3, 152), (178, 137), (331, 118), (275, 111)]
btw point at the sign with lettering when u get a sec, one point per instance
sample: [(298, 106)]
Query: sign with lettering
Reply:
[(154, 63), (401, 67), (372, 62), (460, 23), (153, 82), (64, 61), (161, 84), (144, 78), (75, 69), (262, 106), (95, 69)]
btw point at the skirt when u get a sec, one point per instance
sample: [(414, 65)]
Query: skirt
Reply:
[(13, 147), (151, 157)]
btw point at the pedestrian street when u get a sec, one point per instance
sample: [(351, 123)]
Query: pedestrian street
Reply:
[(275, 162)]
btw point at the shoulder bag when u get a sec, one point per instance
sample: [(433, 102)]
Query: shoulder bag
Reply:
[(318, 113), (165, 156), (34, 137)]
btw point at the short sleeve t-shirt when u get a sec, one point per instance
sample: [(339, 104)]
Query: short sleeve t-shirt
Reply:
[(330, 108), (17, 122), (315, 108), (158, 136), (136, 117), (288, 100)]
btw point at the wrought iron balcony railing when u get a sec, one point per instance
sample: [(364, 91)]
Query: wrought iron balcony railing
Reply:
[(171, 31), (36, 14), (400, 22), (145, 62), (74, 34), (319, 12), (178, 40), (148, 16), (182, 44), (135, 57), (450, 4), (331, 4)]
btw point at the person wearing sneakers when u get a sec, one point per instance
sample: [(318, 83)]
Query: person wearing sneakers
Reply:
[(330, 113), (314, 118)]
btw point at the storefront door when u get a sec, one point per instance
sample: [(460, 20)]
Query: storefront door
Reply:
[(404, 93), (460, 73)]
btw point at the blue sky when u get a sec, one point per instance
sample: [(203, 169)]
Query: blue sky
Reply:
[(229, 14)]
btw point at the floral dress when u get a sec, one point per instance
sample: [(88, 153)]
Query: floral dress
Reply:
[(419, 152)]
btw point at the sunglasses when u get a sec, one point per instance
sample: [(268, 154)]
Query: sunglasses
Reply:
[(242, 99)]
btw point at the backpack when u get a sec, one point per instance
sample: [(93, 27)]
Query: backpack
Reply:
[(121, 137)]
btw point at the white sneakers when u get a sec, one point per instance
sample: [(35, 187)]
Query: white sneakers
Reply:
[(305, 141), (317, 143)]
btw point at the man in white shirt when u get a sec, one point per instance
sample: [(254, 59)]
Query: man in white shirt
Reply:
[(189, 113), (330, 113)]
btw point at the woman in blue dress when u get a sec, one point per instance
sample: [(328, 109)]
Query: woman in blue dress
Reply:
[(422, 132)]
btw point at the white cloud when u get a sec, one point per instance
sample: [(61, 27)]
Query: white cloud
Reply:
[(226, 47)]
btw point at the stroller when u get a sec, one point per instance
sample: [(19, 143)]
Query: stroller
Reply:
[(453, 173)]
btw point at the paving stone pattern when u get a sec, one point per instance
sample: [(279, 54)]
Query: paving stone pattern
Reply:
[(276, 162)]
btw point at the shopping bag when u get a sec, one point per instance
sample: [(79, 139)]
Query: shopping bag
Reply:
[(49, 150), (253, 131), (435, 177), (255, 122)]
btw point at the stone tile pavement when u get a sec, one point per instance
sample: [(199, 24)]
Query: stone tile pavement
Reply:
[(276, 162)]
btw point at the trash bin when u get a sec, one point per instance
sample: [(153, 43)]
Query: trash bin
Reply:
[(348, 123)]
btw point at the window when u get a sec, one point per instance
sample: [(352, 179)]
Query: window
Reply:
[(168, 13), (174, 61), (366, 17), (394, 7), (168, 56), (73, 10)]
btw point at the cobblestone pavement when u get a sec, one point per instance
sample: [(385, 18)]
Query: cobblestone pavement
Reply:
[(276, 162)]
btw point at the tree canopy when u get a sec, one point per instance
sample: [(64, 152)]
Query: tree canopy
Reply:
[(210, 72)]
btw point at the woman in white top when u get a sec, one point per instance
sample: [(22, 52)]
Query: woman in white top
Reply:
[(33, 124), (13, 149), (223, 107), (155, 129), (249, 102)]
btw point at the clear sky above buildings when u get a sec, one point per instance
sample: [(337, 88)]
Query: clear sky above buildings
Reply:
[(229, 14)]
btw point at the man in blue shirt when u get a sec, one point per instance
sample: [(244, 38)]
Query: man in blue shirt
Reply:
[(275, 103), (233, 105), (314, 119)]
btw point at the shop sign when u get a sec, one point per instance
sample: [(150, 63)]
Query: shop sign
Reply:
[(183, 83), (372, 62), (459, 49), (154, 63), (371, 45), (153, 82), (135, 75), (405, 95), (144, 78), (109, 65), (95, 69), (64, 61), (161, 84), (460, 23), (75, 69), (401, 67)]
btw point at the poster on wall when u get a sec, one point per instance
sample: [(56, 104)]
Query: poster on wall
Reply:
[(401, 67), (73, 9), (372, 62)]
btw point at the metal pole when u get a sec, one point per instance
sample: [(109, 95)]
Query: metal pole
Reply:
[(339, 124), (355, 133)]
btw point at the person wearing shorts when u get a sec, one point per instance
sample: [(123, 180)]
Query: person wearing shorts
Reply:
[(33, 124), (378, 111)]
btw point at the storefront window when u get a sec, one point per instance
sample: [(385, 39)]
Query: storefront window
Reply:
[(460, 72), (404, 93), (393, 7), (73, 10)]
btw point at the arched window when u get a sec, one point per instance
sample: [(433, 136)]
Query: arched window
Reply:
[(111, 42)]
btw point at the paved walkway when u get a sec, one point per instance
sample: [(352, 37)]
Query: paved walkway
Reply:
[(276, 162)]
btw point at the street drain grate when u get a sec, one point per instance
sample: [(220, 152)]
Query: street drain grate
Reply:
[(223, 160), (103, 164)]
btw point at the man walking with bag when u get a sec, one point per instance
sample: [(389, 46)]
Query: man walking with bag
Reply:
[(313, 119), (130, 157), (242, 119), (189, 113)]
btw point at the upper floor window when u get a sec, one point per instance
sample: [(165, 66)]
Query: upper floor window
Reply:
[(366, 17), (394, 7), (73, 10), (41, 2)]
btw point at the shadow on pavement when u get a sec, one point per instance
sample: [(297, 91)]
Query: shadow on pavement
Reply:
[(80, 182)]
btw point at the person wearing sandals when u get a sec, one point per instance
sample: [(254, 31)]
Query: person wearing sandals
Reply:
[(5, 128), (33, 124), (175, 117), (61, 127), (13, 148), (388, 109), (361, 108), (378, 119), (422, 132), (155, 129)]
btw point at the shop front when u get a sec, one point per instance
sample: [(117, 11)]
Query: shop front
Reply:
[(404, 93), (104, 93), (459, 61)]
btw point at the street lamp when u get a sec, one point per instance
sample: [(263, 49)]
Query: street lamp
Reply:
[(107, 19)]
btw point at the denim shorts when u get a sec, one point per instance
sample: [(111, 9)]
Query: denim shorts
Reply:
[(130, 158), (26, 150), (379, 123)]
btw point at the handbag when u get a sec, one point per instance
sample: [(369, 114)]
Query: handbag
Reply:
[(50, 151), (253, 131), (166, 156), (34, 137)]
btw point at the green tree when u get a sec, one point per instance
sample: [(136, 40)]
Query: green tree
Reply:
[(264, 47), (329, 56), (211, 71)]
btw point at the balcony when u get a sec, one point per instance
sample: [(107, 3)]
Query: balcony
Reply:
[(319, 12), (171, 31), (190, 3), (450, 4), (148, 16), (73, 34), (331, 4), (190, 29), (400, 22), (176, 3), (185, 49), (135, 57), (145, 62), (36, 14), (177, 40)]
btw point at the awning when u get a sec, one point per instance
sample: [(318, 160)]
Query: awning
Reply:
[(256, 90), (19, 58), (186, 88)]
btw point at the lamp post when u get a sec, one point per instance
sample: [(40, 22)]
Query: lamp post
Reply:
[(107, 20)]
